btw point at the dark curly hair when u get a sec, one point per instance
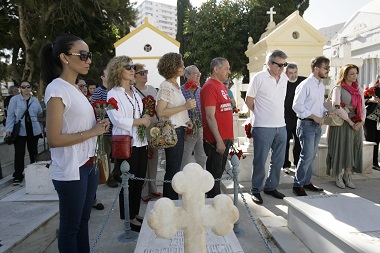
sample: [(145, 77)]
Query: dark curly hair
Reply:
[(169, 64)]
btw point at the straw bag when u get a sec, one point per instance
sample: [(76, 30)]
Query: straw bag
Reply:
[(163, 135), (121, 146)]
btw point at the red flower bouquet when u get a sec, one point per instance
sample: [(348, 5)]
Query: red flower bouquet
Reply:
[(197, 124), (237, 152), (370, 92), (100, 109), (149, 108), (248, 128)]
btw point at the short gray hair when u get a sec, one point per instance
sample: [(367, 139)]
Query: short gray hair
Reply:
[(218, 61), (275, 53), (188, 71), (291, 65)]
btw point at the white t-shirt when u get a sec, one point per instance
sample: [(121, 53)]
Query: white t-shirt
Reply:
[(122, 119), (174, 97), (269, 98), (78, 116)]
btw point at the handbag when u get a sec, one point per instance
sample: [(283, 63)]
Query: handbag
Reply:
[(121, 146), (335, 120), (163, 135), (374, 115), (16, 130)]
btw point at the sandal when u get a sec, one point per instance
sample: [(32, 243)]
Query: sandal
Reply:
[(146, 199)]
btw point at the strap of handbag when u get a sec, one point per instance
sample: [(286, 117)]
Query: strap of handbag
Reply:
[(27, 107)]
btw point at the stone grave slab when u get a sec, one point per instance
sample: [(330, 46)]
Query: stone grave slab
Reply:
[(38, 180), (148, 242), (335, 223)]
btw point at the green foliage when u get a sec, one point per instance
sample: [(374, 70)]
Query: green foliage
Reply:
[(218, 29), (183, 6), (221, 28)]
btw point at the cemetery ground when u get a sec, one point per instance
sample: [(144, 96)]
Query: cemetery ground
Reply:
[(106, 227)]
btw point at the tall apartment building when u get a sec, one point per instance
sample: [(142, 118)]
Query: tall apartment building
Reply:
[(163, 16)]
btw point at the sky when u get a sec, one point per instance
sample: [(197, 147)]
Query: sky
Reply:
[(321, 13)]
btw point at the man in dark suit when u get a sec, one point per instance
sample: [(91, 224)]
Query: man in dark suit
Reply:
[(290, 116)]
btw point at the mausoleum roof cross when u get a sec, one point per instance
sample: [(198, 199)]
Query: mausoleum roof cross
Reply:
[(271, 13), (194, 217)]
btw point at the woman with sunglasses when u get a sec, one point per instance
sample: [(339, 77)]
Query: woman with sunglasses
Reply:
[(26, 108), (121, 73), (149, 189), (172, 105), (71, 130)]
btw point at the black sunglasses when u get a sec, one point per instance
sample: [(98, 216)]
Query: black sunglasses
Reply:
[(280, 64), (129, 67), (25, 87), (83, 55), (142, 72)]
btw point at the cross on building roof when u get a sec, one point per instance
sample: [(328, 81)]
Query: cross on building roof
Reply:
[(271, 13)]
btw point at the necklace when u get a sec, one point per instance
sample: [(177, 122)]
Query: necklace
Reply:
[(133, 104)]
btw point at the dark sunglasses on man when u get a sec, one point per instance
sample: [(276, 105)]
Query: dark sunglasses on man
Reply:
[(83, 55), (142, 72), (25, 87)]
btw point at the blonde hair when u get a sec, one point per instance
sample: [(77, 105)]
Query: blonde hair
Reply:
[(139, 66), (344, 72), (115, 69)]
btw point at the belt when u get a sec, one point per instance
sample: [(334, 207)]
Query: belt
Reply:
[(307, 119), (89, 162)]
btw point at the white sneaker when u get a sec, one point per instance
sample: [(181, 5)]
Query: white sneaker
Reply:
[(347, 177), (339, 180)]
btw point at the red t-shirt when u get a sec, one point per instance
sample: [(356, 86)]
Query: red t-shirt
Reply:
[(214, 93)]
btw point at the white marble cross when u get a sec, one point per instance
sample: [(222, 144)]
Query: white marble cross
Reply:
[(194, 217), (271, 13)]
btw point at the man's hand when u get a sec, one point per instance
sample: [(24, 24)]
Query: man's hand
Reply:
[(220, 147)]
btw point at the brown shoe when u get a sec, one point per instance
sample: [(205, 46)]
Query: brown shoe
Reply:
[(299, 191)]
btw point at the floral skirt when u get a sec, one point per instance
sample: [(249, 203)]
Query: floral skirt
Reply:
[(345, 149)]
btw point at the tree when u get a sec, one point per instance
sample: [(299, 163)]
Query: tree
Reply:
[(99, 22), (218, 30), (183, 6)]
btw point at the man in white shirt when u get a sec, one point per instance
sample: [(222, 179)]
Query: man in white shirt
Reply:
[(265, 98), (308, 105)]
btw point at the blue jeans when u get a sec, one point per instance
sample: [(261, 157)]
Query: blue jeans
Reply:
[(173, 163), (264, 140), (309, 134), (75, 202)]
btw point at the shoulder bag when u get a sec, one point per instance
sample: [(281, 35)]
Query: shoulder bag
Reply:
[(16, 130), (335, 120), (163, 135)]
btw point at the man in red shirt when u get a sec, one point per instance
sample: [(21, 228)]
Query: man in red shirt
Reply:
[(217, 120)]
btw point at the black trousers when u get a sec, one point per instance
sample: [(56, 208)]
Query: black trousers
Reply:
[(216, 163), (291, 127), (19, 144), (138, 164)]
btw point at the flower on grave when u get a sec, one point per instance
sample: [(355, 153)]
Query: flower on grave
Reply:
[(149, 104), (370, 92), (100, 109), (197, 123), (235, 151), (248, 128)]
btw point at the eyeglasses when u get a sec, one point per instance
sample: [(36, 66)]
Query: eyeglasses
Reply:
[(83, 55), (196, 74), (326, 67), (25, 87), (129, 67), (142, 72), (280, 64)]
